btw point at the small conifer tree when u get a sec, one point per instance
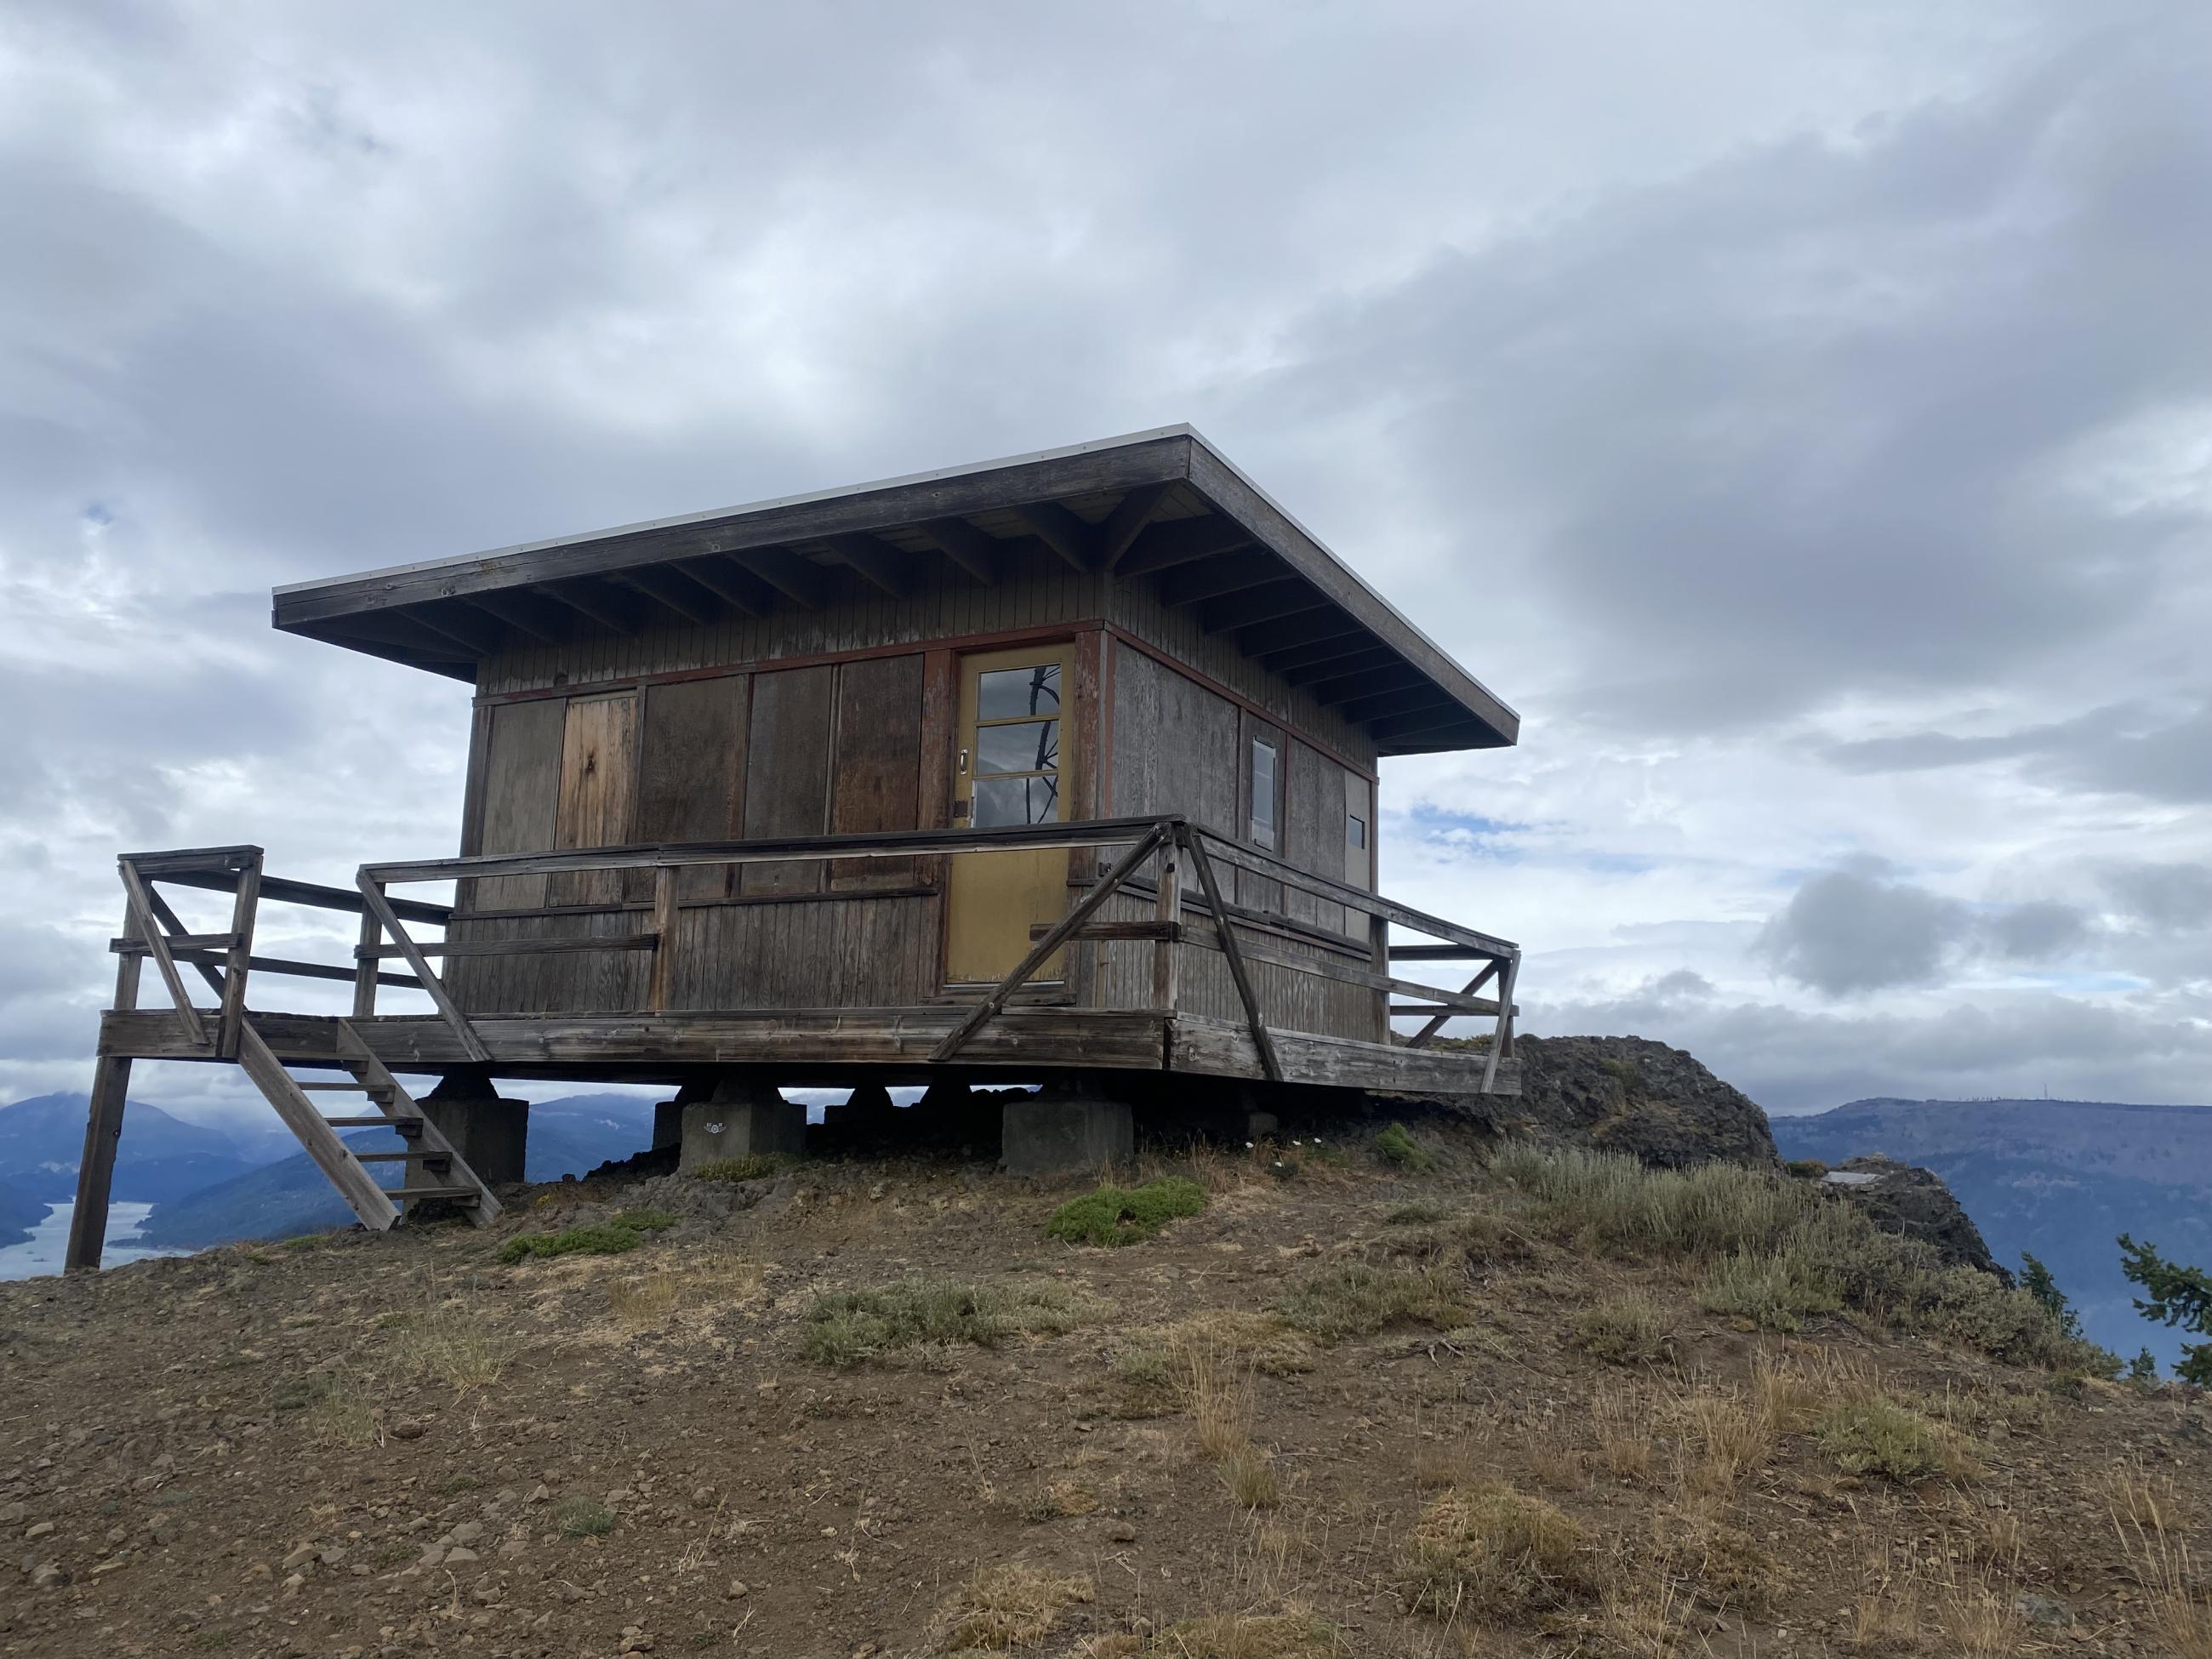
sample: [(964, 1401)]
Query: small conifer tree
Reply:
[(2176, 1295), (2035, 1279)]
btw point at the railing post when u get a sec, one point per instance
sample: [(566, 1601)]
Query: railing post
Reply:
[(239, 957), (1167, 955), (664, 913), (1501, 1042), (103, 1124), (364, 963)]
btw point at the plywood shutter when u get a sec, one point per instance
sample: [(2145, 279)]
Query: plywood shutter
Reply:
[(878, 784), (691, 782), (598, 790), (787, 770), (521, 791)]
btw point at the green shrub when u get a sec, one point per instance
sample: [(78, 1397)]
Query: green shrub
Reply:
[(1880, 1436), (1123, 1215), (584, 1517), (1776, 1292), (851, 1327), (625, 1232), (1358, 1298), (1395, 1146), (753, 1166), (1805, 1169)]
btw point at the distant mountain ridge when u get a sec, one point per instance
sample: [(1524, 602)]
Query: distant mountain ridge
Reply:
[(2059, 1178), (291, 1196), (160, 1156)]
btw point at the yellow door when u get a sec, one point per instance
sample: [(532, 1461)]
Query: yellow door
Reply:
[(1013, 746)]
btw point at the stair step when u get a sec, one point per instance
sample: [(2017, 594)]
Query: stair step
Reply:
[(406, 1126), (402, 1157), (403, 1194), (343, 1088)]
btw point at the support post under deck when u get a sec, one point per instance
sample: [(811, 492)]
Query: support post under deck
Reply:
[(95, 1171)]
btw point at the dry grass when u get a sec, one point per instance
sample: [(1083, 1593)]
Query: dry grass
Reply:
[(1292, 1635), (659, 1297), (1620, 1418), (2146, 1514), (1006, 1605), (1489, 1553), (1712, 1562), (1353, 1298), (1980, 1620), (1251, 1479), (1629, 1329), (1726, 1436), (448, 1344)]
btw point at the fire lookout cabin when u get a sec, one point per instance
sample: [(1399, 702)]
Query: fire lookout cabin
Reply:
[(1058, 770)]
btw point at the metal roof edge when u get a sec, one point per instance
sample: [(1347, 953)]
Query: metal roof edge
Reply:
[(678, 521)]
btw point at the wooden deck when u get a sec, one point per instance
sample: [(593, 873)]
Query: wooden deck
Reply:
[(832, 1046)]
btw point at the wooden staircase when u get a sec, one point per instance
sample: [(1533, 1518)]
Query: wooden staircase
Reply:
[(426, 1149)]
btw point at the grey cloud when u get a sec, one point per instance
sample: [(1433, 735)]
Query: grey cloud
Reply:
[(2127, 749), (2175, 898), (1791, 427), (1795, 1060), (1858, 928)]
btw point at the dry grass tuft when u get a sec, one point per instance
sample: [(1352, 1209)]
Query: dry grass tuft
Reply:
[(1230, 1636), (1491, 1553), (1981, 1621), (1251, 1479), (653, 1299), (446, 1344), (1352, 1298), (1628, 1329), (1621, 1419), (2145, 1513), (1727, 1435), (1006, 1605)]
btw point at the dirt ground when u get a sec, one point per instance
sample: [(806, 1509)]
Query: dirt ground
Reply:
[(357, 1445)]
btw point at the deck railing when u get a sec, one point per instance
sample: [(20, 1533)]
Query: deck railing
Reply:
[(152, 930)]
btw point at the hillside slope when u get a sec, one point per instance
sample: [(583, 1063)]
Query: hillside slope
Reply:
[(2060, 1178), (159, 1156), (871, 1408)]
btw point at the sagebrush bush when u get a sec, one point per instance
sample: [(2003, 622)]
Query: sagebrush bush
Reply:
[(850, 1328), (1880, 1436), (1491, 1553), (1124, 1215), (1397, 1146), (625, 1231), (1358, 1298), (1779, 1250)]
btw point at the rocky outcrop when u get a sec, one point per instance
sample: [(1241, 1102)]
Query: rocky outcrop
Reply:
[(1631, 1095), (1901, 1197)]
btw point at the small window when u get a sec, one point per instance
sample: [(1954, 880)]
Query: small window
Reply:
[(1356, 831), (1263, 782)]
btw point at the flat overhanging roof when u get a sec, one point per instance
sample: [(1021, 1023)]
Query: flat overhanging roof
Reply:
[(1161, 507)]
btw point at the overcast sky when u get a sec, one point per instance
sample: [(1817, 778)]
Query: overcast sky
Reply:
[(1802, 413)]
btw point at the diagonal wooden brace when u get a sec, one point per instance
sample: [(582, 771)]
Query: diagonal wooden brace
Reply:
[(1039, 952), (1261, 1040)]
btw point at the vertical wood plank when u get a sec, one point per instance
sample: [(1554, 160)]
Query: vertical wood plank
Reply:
[(876, 784), (242, 909), (787, 770)]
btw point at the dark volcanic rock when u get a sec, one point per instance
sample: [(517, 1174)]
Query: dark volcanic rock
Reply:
[(1901, 1198), (1631, 1095)]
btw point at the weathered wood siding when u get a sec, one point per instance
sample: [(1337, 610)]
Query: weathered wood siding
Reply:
[(1179, 746), (800, 751)]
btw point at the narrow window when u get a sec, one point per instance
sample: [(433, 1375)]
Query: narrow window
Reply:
[(1356, 832), (1262, 782)]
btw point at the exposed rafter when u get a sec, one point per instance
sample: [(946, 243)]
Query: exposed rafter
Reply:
[(1179, 541), (800, 580), (1331, 658), (1438, 717), (687, 600), (1382, 705), (1127, 521), (540, 619), (1264, 638), (1063, 532), (1342, 687), (1290, 598), (399, 631), (888, 568), (1229, 573), (975, 552), (731, 583), (622, 612), (480, 634)]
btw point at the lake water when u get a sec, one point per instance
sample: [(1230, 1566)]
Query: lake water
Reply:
[(42, 1252)]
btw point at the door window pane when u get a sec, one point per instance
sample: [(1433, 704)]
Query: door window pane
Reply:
[(1016, 801), (1027, 746), (1006, 693), (1357, 831), (1263, 793)]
